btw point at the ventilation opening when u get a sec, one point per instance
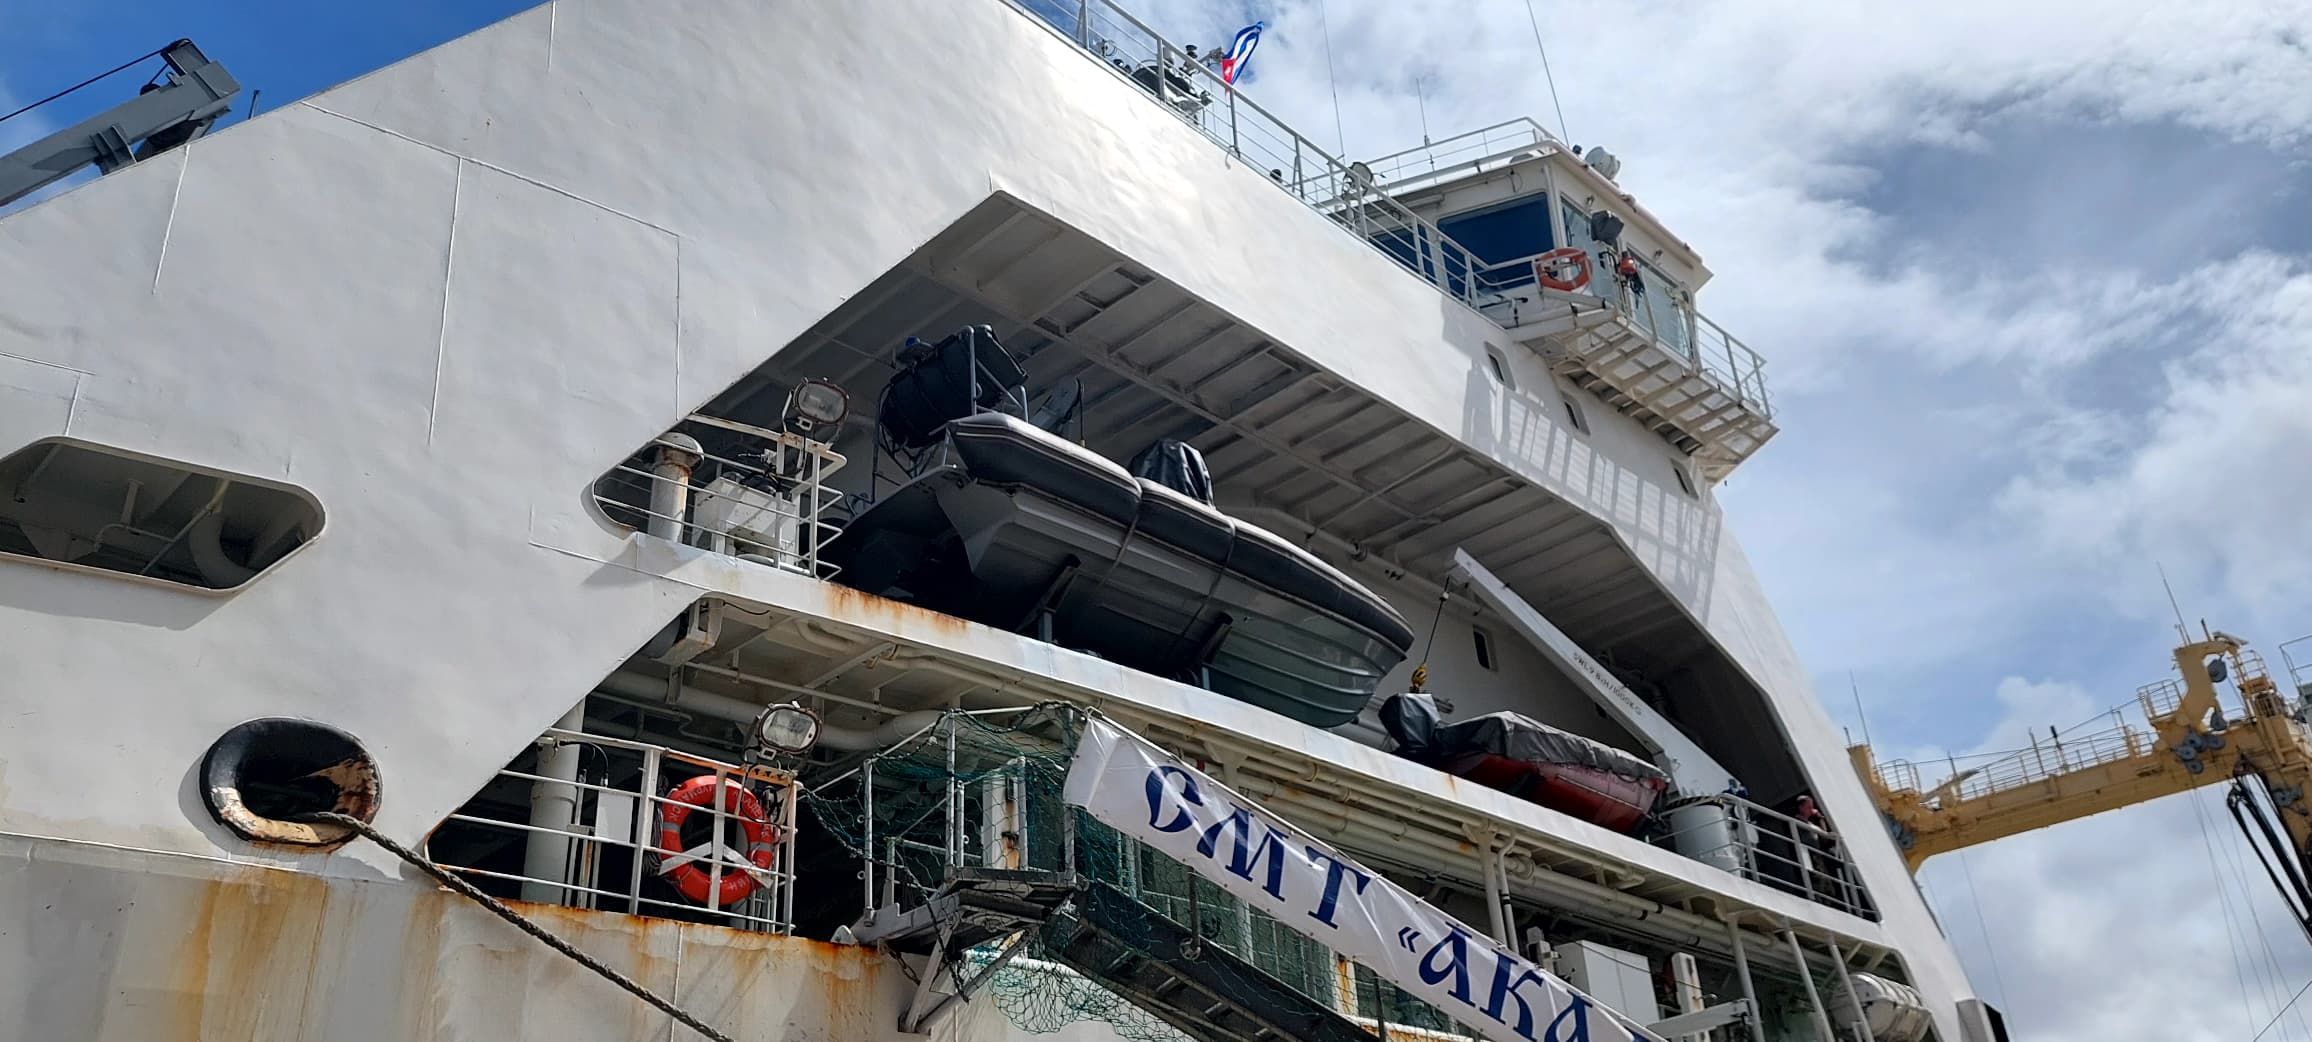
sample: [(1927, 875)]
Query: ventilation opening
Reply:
[(71, 504), (1484, 647), (261, 777)]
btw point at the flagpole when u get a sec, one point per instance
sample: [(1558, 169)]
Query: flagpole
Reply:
[(1232, 146)]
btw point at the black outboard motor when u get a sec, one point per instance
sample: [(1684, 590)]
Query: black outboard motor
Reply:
[(1176, 465), (1411, 719), (966, 374)]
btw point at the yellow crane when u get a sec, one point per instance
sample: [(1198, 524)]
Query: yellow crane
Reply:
[(2192, 742)]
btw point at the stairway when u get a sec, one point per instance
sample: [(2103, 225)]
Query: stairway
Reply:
[(1108, 936), (1202, 991), (972, 907)]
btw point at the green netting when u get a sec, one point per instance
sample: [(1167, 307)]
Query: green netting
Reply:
[(988, 791)]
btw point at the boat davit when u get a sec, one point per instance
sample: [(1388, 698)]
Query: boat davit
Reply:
[(1530, 759), (1005, 522)]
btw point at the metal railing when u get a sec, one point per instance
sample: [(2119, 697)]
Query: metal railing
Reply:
[(604, 854), (765, 506), (1765, 846), (1434, 161), (1357, 195), (1194, 92)]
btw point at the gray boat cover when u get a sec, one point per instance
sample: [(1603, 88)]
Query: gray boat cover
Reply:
[(1412, 719), (1006, 450)]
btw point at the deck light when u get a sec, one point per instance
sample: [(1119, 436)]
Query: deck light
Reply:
[(816, 403), (788, 728)]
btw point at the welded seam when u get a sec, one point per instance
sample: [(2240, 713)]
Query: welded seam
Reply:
[(433, 407), (170, 227), (486, 165)]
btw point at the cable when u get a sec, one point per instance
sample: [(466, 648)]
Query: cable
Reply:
[(1551, 79), (496, 908), (86, 82), (2276, 1016), (1989, 949), (1340, 137), (2224, 901), (2270, 971)]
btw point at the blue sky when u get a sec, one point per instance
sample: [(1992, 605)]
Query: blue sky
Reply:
[(2035, 286)]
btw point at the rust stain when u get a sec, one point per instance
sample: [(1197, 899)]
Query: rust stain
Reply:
[(189, 983), (858, 605), (242, 970)]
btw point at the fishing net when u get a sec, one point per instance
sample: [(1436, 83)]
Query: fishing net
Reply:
[(986, 790)]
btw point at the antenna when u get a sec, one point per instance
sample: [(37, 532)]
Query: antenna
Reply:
[(1422, 100), (2182, 634), (1856, 689)]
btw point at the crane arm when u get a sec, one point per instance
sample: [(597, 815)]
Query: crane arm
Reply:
[(2189, 744), (162, 117)]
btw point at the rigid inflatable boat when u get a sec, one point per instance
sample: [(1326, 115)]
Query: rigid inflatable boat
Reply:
[(1530, 759), (1004, 522)]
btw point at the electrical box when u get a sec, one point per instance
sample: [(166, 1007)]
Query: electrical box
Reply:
[(1622, 981), (749, 520)]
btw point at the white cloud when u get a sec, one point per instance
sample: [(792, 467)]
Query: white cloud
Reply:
[(1990, 439)]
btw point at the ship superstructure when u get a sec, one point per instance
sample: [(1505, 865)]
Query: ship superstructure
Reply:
[(704, 500)]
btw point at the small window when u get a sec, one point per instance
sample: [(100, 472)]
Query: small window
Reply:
[(70, 504), (1499, 366), (1484, 648), (1685, 479), (1573, 413)]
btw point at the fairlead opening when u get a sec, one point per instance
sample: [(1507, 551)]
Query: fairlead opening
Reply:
[(263, 776)]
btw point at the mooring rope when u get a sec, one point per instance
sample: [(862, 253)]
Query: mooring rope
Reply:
[(499, 909)]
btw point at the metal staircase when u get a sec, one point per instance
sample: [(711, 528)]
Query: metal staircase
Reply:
[(1699, 388), (1114, 940), (1201, 990), (973, 907)]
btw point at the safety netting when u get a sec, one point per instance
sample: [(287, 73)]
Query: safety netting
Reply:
[(986, 790)]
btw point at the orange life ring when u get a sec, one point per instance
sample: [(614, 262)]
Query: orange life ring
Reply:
[(1547, 266), (681, 867)]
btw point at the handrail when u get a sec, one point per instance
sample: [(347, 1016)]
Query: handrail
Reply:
[(1319, 179), (1357, 195), (1469, 150)]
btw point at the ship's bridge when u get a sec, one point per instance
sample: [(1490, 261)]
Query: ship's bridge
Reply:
[(1505, 207), (1472, 214)]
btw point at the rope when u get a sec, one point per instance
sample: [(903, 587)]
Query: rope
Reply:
[(86, 82), (1420, 679), (1340, 137), (454, 882), (1545, 73)]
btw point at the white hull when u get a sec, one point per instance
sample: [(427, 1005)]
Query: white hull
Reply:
[(443, 299)]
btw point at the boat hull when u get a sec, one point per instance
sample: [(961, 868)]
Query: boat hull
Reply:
[(1096, 560), (1600, 797)]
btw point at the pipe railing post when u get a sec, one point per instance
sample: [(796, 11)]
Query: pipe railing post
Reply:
[(1861, 1016), (1742, 975), (1820, 1014)]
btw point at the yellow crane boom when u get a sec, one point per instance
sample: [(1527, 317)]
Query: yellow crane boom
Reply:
[(2189, 743)]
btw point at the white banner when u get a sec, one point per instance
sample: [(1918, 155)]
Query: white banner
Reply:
[(1146, 793)]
